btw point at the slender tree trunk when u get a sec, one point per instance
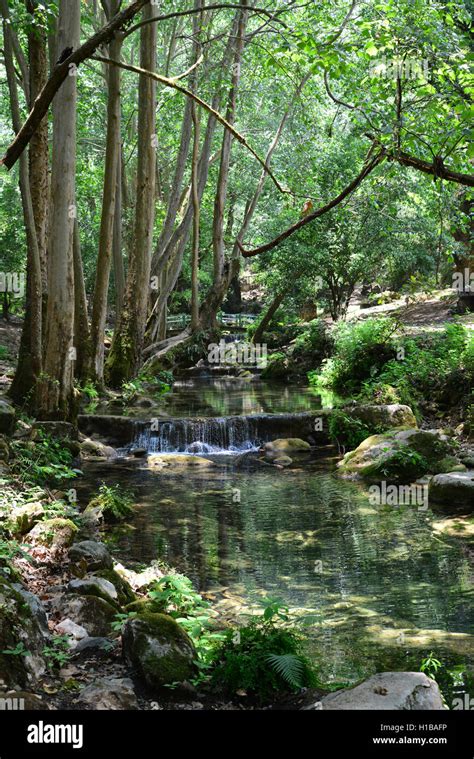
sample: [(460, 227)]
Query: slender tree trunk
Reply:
[(196, 225), (169, 254), (106, 235), (220, 282), (81, 319), (30, 356), (125, 354), (56, 391), (119, 272), (270, 313)]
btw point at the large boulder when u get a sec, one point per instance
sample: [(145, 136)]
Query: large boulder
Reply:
[(109, 693), (159, 649), (384, 416), (20, 632), (92, 554), (91, 613), (388, 690), (7, 418), (24, 516), (399, 455), (57, 533), (455, 490)]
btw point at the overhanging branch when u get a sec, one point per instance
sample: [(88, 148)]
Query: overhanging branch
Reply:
[(372, 160), (59, 74), (174, 84)]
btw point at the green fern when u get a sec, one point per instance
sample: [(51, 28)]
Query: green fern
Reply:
[(290, 668)]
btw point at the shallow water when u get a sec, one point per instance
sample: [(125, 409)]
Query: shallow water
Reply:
[(384, 589), (230, 396)]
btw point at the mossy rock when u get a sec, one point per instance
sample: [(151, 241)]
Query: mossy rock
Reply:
[(95, 586), (399, 455), (53, 533), (19, 630), (125, 594), (145, 606), (159, 649), (286, 445)]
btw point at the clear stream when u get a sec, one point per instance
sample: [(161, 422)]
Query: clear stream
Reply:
[(384, 587)]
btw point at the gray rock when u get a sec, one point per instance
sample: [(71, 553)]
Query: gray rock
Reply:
[(109, 694), (7, 418), (97, 647), (19, 629), (36, 607), (57, 533), (455, 490), (95, 555), (90, 612), (97, 449), (385, 416), (388, 690), (159, 649), (94, 586), (75, 631)]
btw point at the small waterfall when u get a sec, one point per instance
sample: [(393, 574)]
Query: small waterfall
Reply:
[(208, 435)]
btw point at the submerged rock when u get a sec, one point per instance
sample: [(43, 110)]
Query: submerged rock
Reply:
[(159, 649), (286, 445), (389, 690), (95, 555), (455, 490), (177, 461), (97, 449)]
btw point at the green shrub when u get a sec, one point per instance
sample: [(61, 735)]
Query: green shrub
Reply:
[(348, 431), (263, 658), (360, 351), (114, 503), (46, 460)]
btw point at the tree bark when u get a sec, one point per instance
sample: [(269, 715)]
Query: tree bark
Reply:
[(30, 355), (56, 392), (81, 319), (124, 359), (106, 235), (267, 318)]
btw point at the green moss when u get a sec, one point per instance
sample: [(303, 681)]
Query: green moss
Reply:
[(124, 591)]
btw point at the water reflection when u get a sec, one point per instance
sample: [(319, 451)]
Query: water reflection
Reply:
[(380, 582)]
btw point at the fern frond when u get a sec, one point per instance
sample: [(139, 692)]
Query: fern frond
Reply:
[(290, 668)]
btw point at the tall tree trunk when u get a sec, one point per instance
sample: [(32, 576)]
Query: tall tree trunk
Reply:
[(56, 391), (220, 283), (119, 272), (195, 182), (124, 359), (168, 258), (81, 319), (38, 149), (30, 356), (106, 235)]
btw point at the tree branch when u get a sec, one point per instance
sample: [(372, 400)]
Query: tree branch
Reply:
[(59, 74), (369, 166), (190, 11), (173, 83)]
